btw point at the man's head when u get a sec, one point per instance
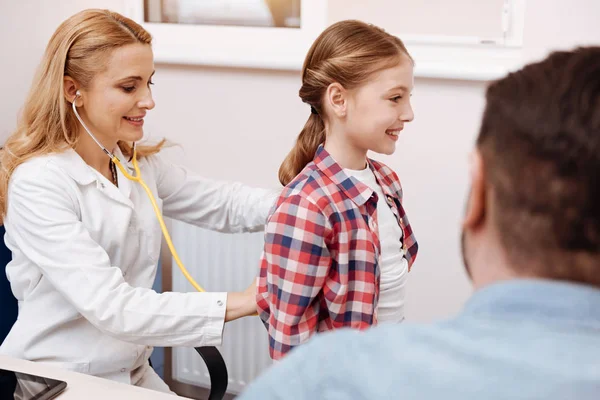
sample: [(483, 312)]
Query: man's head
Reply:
[(534, 205)]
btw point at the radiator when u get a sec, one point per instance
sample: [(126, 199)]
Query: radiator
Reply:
[(221, 262)]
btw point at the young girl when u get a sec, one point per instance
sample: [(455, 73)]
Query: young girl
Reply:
[(338, 245)]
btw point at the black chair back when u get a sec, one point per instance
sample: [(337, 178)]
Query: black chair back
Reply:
[(8, 303)]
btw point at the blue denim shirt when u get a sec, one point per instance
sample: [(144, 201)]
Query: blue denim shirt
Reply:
[(520, 339)]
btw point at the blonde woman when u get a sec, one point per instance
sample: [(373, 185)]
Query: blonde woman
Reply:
[(85, 240)]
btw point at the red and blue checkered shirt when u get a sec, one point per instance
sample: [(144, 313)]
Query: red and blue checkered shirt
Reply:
[(320, 265)]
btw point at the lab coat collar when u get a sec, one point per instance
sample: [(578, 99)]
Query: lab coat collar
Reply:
[(72, 163)]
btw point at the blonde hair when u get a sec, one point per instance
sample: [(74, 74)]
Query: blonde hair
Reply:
[(348, 52), (79, 48)]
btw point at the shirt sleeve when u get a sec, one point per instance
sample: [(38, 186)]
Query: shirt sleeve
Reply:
[(220, 206), (43, 220), (294, 267)]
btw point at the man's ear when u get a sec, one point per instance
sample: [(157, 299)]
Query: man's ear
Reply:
[(475, 212)]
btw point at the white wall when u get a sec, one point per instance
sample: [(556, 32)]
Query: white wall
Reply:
[(225, 119)]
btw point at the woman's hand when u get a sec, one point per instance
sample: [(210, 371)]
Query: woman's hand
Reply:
[(241, 304)]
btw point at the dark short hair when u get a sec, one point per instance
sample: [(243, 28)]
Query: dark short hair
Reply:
[(540, 142)]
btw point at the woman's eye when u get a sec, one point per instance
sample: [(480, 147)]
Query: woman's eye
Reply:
[(128, 89)]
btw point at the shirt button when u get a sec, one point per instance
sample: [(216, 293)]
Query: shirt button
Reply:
[(219, 303), (123, 370)]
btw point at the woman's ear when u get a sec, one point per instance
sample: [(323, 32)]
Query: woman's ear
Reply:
[(70, 88), (336, 97)]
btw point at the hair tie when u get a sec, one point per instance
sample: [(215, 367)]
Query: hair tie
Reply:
[(313, 110)]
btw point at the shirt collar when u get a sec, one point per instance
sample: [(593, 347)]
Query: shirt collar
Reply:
[(357, 191), (538, 298)]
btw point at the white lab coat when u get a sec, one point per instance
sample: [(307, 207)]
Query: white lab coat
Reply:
[(85, 256)]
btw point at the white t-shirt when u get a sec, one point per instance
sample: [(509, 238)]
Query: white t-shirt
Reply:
[(392, 263)]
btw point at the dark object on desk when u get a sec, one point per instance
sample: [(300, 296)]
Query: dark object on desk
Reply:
[(18, 385)]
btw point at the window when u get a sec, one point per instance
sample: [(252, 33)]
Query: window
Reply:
[(237, 33), (454, 39), (459, 39)]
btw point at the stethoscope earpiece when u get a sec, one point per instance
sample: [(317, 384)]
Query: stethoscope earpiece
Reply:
[(77, 94)]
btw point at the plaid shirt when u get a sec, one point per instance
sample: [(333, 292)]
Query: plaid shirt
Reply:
[(320, 266)]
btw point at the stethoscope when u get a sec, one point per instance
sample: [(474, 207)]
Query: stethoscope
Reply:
[(138, 178), (212, 357)]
